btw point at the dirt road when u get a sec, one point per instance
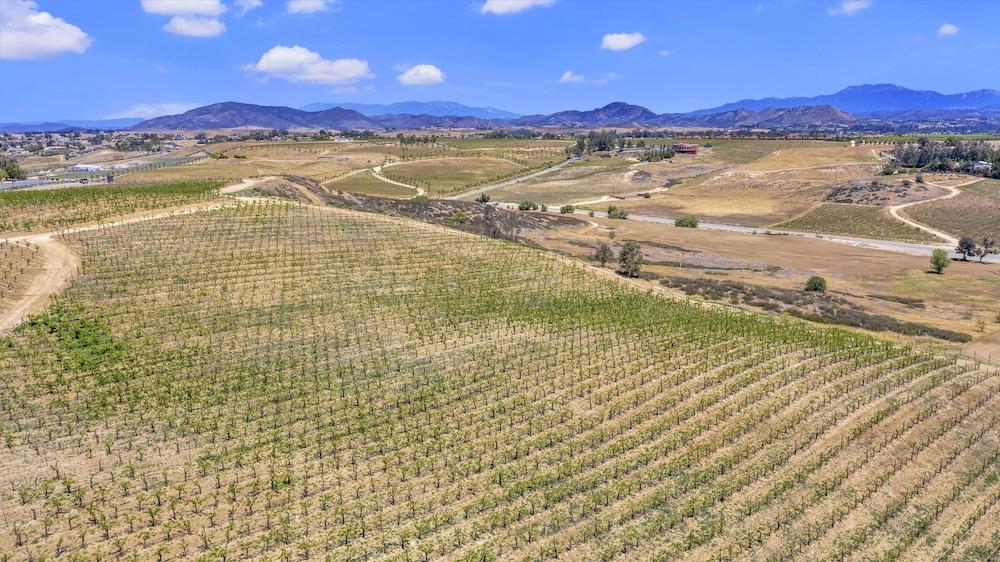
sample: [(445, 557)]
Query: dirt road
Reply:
[(953, 191)]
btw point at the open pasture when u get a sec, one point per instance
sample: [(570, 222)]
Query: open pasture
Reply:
[(865, 221), (975, 212), (50, 209), (274, 380), (441, 176)]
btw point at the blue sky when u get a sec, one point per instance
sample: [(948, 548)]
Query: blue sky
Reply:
[(105, 58)]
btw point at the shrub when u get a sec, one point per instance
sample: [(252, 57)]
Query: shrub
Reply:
[(527, 206), (687, 222), (816, 284), (567, 209), (939, 260), (545, 208), (630, 259), (920, 178), (590, 214), (460, 217), (888, 170), (616, 213), (483, 198)]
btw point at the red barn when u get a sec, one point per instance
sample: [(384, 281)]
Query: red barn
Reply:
[(685, 148)]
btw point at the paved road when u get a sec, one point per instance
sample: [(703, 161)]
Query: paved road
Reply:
[(505, 183)]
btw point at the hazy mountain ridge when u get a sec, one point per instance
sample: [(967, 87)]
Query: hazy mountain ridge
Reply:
[(432, 108), (870, 98)]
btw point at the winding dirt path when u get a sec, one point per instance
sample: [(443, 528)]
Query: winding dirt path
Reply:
[(953, 191), (377, 172)]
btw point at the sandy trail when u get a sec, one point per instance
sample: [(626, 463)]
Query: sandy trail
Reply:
[(953, 191), (60, 264)]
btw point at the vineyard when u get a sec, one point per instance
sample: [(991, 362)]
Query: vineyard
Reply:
[(976, 212), (17, 264), (368, 184), (282, 381), (866, 221), (48, 209)]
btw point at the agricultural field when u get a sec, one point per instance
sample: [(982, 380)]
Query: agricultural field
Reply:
[(865, 221), (523, 144), (18, 262), (590, 178), (744, 151), (276, 380), (50, 209), (775, 187), (976, 212), (368, 184), (441, 176)]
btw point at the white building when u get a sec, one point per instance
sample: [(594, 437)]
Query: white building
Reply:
[(88, 168)]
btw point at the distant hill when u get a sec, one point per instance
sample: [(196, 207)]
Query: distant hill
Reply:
[(623, 114), (69, 125), (433, 108), (869, 98), (616, 113), (231, 115)]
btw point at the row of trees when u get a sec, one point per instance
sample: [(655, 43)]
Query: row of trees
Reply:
[(950, 155)]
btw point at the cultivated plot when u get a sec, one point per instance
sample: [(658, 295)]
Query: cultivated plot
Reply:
[(276, 380)]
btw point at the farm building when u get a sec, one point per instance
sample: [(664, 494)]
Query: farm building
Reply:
[(88, 168), (685, 148), (982, 166)]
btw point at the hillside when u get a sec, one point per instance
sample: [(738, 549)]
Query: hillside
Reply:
[(271, 380)]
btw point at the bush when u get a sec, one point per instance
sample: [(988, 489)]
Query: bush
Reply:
[(687, 222), (567, 209), (590, 214), (816, 284), (460, 217), (483, 198), (939, 260), (616, 213), (527, 206), (888, 170), (920, 178)]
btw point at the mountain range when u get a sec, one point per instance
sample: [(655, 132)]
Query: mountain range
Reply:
[(228, 115), (881, 105), (435, 108), (872, 98)]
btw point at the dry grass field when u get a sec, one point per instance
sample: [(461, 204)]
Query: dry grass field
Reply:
[(976, 212), (865, 221), (278, 381), (581, 180), (780, 184)]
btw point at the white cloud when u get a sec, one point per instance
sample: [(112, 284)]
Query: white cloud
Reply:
[(622, 41), (849, 7), (421, 75), (947, 30), (26, 33), (503, 7), (248, 5), (298, 64), (206, 8), (150, 110), (308, 6), (195, 27), (663, 53), (191, 18), (570, 77)]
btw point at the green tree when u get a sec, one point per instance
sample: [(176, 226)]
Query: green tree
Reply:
[(630, 259), (616, 213), (967, 247), (939, 260), (816, 284), (603, 254), (567, 209)]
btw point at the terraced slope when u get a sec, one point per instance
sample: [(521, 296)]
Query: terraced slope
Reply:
[(280, 381)]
